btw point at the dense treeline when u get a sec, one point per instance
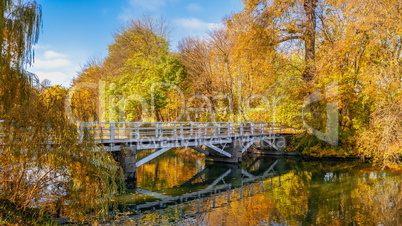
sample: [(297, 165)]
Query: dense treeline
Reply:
[(333, 67)]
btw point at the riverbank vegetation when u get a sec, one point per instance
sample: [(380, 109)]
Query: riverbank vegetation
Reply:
[(38, 181)]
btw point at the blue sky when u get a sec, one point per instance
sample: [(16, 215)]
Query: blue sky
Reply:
[(76, 31)]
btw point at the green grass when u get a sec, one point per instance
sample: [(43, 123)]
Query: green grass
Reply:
[(11, 215)]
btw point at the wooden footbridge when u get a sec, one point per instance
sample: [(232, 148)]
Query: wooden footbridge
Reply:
[(219, 141)]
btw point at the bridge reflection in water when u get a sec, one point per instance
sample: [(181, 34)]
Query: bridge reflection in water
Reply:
[(216, 185), (266, 191)]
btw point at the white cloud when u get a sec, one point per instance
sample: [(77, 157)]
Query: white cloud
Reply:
[(51, 63), (51, 60), (56, 77), (52, 54), (194, 7), (55, 66), (37, 46), (195, 26)]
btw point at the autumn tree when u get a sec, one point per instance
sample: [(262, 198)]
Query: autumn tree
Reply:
[(140, 79), (286, 21), (228, 75), (212, 76), (290, 51), (86, 90), (19, 26)]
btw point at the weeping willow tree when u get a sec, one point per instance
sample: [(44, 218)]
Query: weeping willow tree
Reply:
[(19, 25), (66, 178)]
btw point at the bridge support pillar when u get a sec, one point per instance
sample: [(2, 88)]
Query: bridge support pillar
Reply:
[(127, 159), (234, 149), (273, 145)]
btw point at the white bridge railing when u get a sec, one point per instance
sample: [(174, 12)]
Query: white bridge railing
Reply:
[(135, 131), (114, 132)]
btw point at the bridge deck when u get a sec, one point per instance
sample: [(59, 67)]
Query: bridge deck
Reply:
[(179, 134), (210, 138), (154, 135)]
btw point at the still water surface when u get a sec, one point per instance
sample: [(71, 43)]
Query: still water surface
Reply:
[(181, 189)]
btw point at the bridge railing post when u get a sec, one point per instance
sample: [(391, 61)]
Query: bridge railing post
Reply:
[(156, 132), (137, 131), (252, 128), (112, 131), (161, 130), (81, 132)]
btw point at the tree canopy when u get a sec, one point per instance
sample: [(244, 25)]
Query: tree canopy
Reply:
[(331, 66)]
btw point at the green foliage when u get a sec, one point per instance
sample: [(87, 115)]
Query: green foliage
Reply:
[(141, 76), (11, 215), (310, 145)]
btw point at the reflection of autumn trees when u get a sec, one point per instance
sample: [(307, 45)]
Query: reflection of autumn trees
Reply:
[(168, 172), (312, 193), (285, 203), (290, 198), (378, 199), (318, 193), (247, 211), (339, 199)]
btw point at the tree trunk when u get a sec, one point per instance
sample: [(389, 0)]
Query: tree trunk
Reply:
[(309, 38)]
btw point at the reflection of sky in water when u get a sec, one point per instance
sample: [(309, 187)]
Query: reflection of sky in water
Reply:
[(329, 177)]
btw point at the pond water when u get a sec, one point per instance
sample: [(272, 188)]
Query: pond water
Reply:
[(179, 188)]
